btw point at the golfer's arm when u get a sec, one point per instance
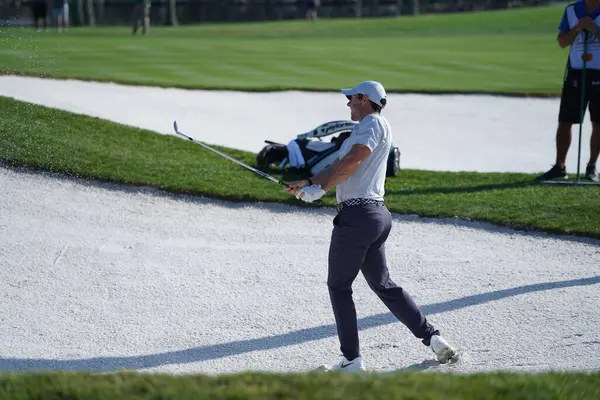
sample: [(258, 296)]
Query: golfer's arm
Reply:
[(325, 174), (566, 39), (342, 169)]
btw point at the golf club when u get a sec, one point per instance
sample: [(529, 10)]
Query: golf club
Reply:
[(257, 171)]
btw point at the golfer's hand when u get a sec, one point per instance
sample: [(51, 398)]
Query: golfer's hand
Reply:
[(591, 27), (583, 23), (294, 187), (310, 193)]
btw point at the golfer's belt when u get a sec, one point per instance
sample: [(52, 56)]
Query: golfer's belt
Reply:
[(357, 202)]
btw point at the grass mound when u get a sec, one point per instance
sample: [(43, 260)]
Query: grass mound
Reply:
[(92, 148)]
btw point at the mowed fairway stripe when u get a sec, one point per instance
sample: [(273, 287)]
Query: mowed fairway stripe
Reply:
[(483, 52)]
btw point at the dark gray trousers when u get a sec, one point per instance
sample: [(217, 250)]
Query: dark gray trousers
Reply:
[(358, 244)]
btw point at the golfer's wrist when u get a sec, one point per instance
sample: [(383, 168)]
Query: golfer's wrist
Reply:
[(310, 182)]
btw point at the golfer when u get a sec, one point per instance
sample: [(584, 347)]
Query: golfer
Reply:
[(362, 226)]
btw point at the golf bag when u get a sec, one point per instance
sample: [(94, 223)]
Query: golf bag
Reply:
[(310, 153)]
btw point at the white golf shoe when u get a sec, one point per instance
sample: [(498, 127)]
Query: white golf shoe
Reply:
[(344, 365), (442, 349)]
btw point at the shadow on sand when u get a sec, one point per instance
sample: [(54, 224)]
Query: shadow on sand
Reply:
[(212, 352)]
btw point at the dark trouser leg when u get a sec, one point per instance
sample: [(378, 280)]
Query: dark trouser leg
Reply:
[(357, 243), (396, 299), (136, 17), (346, 253), (569, 114)]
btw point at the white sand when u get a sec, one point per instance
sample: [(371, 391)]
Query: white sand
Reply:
[(104, 277), (475, 133)]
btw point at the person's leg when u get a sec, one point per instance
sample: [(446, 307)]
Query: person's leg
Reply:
[(594, 143), (45, 16), (594, 90), (563, 142), (352, 235), (35, 9), (146, 25), (58, 13), (345, 258), (136, 17), (66, 17), (396, 299), (568, 115), (590, 170)]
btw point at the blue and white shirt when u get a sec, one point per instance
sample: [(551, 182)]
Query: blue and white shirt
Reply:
[(571, 16)]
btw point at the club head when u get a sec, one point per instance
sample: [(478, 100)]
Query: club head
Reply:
[(175, 126)]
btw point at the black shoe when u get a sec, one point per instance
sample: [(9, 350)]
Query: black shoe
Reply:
[(591, 174), (554, 173)]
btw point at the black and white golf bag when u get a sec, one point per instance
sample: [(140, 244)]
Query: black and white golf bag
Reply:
[(309, 152)]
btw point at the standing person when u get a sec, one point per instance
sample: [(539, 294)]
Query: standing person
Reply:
[(40, 14), (362, 226), (60, 9), (141, 16), (311, 10), (580, 22)]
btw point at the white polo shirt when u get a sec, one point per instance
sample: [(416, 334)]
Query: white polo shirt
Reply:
[(368, 181)]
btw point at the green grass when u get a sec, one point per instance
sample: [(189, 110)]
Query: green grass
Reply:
[(512, 52), (313, 386), (509, 52), (87, 147)]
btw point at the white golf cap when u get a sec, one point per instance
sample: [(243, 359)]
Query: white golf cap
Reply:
[(374, 90)]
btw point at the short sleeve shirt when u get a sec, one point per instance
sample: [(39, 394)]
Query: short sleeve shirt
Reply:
[(368, 181)]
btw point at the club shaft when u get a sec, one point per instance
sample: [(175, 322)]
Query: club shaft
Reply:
[(259, 172)]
